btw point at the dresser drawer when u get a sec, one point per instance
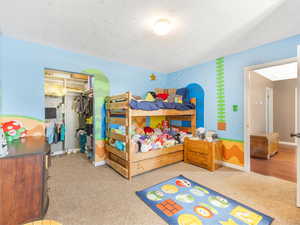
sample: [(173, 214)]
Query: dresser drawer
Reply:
[(199, 146), (197, 157)]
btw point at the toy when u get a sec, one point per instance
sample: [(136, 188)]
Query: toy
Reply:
[(200, 132), (13, 130), (119, 145), (146, 146), (164, 124), (178, 99), (148, 130), (150, 97), (211, 135), (162, 97)]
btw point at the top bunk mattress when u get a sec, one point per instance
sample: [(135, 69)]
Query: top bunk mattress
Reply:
[(156, 105)]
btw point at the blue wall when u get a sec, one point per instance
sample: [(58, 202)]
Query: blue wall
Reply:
[(22, 64), (22, 74), (205, 75)]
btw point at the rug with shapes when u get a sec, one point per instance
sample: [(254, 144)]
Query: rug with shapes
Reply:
[(181, 201)]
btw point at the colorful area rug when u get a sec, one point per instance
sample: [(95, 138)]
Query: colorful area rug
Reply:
[(184, 202)]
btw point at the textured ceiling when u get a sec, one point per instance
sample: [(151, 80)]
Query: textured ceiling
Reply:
[(121, 30)]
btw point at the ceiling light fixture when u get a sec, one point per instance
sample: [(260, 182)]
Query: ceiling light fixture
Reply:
[(162, 27)]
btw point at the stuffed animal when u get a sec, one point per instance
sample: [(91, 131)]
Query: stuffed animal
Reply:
[(162, 97), (146, 146), (178, 99), (165, 124), (13, 130), (148, 130), (150, 97), (120, 145)]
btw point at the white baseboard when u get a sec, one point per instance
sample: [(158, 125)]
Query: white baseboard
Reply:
[(61, 152), (100, 163), (287, 143), (233, 166)]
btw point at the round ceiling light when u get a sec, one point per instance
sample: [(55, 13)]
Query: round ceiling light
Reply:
[(162, 27)]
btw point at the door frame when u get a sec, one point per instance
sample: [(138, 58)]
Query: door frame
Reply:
[(247, 166), (93, 82), (269, 110)]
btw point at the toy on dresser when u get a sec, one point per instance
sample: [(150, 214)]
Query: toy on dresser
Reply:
[(208, 135)]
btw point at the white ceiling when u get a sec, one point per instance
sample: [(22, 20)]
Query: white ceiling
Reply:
[(121, 30), (282, 72)]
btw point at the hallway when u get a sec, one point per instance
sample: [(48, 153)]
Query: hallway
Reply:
[(282, 165)]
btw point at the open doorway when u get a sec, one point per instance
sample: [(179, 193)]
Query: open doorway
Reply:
[(69, 112), (271, 118)]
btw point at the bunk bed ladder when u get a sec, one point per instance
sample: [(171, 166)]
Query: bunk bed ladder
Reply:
[(117, 159), (128, 132)]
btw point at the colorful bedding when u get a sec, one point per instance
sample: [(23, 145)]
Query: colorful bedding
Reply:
[(156, 105)]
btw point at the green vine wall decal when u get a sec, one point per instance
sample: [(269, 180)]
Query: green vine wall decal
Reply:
[(220, 88)]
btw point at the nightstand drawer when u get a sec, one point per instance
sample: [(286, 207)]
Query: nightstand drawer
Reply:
[(197, 157), (203, 153), (199, 146)]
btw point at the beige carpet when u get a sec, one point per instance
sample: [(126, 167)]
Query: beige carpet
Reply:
[(81, 194)]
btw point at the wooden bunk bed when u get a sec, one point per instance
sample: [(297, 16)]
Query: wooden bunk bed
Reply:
[(130, 162)]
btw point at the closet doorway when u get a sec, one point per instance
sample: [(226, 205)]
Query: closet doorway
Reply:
[(69, 112)]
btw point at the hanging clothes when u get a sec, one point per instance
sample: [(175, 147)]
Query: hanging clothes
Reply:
[(50, 132), (62, 132), (83, 105), (55, 133), (81, 134)]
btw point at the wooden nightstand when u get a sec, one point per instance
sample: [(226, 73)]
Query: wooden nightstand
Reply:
[(202, 153)]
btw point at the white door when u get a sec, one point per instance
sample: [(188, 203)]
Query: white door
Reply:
[(298, 139)]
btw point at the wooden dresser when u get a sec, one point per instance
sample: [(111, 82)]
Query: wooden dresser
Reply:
[(202, 153), (23, 181)]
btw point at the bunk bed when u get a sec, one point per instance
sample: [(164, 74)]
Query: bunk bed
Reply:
[(130, 162)]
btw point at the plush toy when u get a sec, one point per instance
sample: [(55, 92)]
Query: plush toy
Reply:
[(149, 97), (13, 130), (156, 145), (157, 131), (165, 124), (162, 97), (120, 145), (160, 139), (146, 146), (178, 99), (111, 142), (148, 130)]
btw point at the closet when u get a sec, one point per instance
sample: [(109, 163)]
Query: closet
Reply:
[(69, 112)]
